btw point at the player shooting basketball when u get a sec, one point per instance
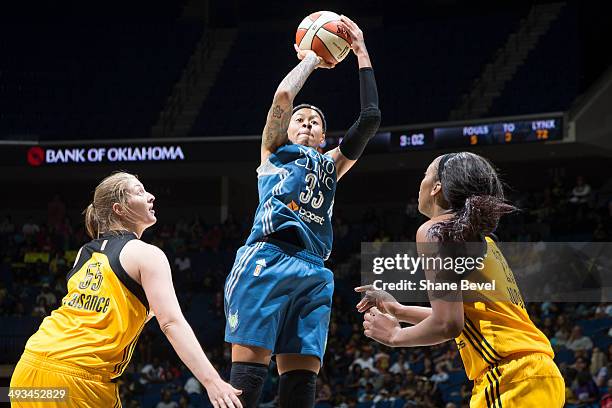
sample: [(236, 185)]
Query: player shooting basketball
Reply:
[(278, 294)]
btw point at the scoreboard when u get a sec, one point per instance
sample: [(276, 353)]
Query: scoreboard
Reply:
[(474, 134), (494, 133)]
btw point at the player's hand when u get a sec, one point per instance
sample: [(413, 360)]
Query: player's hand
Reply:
[(301, 54), (222, 394), (357, 41), (381, 327), (380, 299)]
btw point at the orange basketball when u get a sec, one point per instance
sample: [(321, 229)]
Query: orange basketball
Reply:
[(325, 34)]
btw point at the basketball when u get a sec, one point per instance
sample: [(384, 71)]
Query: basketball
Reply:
[(325, 34)]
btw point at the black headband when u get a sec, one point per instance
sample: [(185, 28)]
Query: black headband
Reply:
[(319, 111), (442, 163)]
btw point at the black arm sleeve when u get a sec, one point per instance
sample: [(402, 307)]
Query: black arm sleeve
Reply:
[(367, 123)]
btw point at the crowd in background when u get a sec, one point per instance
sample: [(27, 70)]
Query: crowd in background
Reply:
[(37, 254)]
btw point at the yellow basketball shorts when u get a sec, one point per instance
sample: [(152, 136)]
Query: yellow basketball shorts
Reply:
[(85, 389), (526, 380)]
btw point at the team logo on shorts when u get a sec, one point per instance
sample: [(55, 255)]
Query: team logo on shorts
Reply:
[(261, 263), (232, 320)]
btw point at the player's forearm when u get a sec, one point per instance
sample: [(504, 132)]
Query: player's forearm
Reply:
[(183, 340), (296, 78), (428, 332), (365, 127), (279, 115), (411, 314)]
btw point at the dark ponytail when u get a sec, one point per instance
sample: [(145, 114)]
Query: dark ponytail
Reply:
[(474, 193)]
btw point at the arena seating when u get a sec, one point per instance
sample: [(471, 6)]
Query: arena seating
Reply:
[(549, 79), (110, 80)]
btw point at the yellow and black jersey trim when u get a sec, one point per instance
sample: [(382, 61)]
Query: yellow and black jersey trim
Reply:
[(492, 395), (127, 353), (115, 241), (480, 343)]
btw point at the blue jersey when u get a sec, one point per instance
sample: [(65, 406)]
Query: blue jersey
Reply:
[(296, 186)]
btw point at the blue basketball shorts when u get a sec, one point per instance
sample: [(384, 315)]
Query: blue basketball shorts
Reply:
[(278, 299)]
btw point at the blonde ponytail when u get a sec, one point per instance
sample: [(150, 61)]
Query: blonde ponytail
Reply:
[(91, 221)]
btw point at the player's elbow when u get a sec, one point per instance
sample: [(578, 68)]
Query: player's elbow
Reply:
[(451, 328), (282, 96), (167, 323), (372, 114), (369, 120)]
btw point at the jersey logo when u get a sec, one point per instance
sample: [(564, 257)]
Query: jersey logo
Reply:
[(460, 344), (261, 263), (293, 206), (232, 320), (309, 216)]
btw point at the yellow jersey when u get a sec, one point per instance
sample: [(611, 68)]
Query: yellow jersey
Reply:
[(498, 326), (101, 317)]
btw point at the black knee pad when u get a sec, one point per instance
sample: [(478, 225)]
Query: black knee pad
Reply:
[(248, 377), (297, 389)]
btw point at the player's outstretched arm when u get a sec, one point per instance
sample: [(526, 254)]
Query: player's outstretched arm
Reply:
[(156, 280), (366, 125), (279, 115), (444, 323)]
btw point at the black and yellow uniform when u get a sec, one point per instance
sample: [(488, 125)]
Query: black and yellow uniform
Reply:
[(507, 356), (88, 341)]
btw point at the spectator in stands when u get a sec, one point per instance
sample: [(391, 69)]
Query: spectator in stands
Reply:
[(585, 391), (40, 310), (182, 262), (401, 365), (166, 401), (598, 360), (365, 359), (152, 372), (324, 395), (352, 381), (381, 362), (366, 378), (47, 295), (581, 193), (440, 375), (30, 228), (428, 370), (577, 341), (366, 394), (193, 386), (603, 310)]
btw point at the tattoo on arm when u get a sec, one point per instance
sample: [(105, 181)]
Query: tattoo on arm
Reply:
[(294, 81), (275, 132), (277, 112)]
